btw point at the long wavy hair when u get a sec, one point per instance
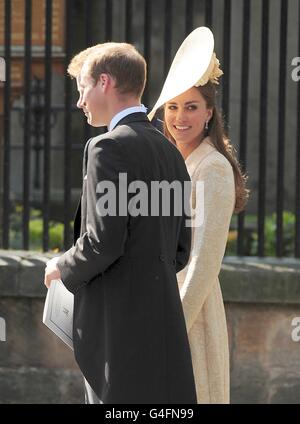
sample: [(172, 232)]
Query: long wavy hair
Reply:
[(221, 142)]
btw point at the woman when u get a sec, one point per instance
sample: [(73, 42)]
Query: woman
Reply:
[(194, 125)]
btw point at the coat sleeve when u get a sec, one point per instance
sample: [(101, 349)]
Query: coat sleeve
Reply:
[(210, 237), (105, 236), (185, 234), (183, 247)]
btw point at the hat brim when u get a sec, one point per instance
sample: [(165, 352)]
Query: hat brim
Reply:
[(189, 65)]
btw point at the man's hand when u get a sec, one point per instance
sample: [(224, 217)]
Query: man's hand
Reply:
[(51, 272)]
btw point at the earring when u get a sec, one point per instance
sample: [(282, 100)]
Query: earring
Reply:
[(206, 125)]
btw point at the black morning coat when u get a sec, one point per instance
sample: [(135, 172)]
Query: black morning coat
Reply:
[(130, 339)]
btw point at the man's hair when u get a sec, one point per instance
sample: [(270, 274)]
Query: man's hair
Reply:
[(76, 63), (123, 63)]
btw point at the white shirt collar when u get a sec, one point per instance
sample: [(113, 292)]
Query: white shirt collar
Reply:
[(128, 111)]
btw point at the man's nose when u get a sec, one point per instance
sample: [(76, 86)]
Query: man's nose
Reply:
[(79, 103)]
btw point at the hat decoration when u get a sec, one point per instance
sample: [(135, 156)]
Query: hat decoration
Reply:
[(213, 72)]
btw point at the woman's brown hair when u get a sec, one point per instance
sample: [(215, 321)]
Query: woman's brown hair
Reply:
[(217, 135)]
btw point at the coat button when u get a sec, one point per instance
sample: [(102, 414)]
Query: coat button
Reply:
[(162, 258)]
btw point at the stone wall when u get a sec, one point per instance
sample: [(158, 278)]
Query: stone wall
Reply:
[(261, 299)]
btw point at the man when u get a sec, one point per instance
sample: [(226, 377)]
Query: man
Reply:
[(129, 333)]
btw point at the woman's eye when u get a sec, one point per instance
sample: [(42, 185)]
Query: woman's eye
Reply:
[(192, 107), (172, 107)]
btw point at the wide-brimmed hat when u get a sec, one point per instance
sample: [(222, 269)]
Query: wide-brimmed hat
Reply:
[(194, 64)]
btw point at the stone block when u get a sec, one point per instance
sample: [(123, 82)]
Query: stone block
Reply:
[(260, 280), (31, 277), (40, 386), (9, 274), (29, 342)]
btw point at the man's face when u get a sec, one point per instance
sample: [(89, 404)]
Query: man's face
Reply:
[(91, 98)]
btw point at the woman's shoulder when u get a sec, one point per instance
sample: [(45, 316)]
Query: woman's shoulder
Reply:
[(215, 163)]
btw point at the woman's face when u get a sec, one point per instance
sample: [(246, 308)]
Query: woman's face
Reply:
[(185, 117)]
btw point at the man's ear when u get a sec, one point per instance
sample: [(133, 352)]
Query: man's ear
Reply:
[(102, 81), (105, 81)]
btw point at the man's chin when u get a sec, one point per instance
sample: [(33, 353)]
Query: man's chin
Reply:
[(96, 124), (93, 123)]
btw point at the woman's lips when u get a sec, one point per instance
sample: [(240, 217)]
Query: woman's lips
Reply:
[(181, 127)]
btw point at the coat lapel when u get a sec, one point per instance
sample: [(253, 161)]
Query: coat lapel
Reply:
[(77, 216), (194, 159)]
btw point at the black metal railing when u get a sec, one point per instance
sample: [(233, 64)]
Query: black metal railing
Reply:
[(261, 206), (93, 29), (297, 164), (27, 129), (6, 126), (244, 112)]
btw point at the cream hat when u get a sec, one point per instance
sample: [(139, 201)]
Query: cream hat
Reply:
[(194, 64)]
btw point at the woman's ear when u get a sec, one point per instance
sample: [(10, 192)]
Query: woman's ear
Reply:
[(209, 114)]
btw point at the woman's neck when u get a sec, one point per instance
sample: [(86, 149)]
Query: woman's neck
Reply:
[(186, 149)]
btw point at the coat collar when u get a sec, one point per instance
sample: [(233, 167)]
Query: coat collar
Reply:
[(133, 117), (196, 157)]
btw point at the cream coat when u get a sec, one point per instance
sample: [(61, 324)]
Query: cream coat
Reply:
[(198, 281)]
